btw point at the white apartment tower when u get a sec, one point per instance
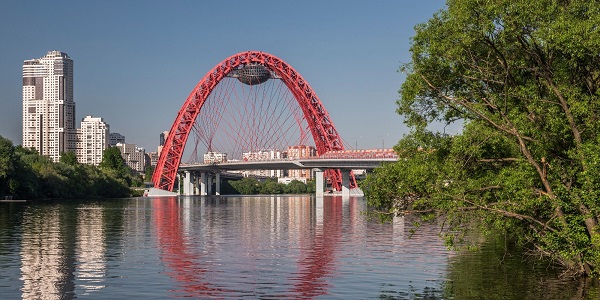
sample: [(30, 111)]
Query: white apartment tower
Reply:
[(48, 106), (92, 139)]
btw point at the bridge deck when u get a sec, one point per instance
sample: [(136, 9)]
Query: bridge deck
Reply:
[(313, 163)]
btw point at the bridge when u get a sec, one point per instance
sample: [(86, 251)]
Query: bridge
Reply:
[(198, 178), (249, 102)]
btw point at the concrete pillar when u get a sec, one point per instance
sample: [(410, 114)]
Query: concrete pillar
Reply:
[(195, 186), (345, 184), (187, 183), (209, 184), (203, 184), (218, 184), (319, 181)]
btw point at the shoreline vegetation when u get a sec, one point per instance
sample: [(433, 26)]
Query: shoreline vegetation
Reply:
[(524, 80), (26, 175)]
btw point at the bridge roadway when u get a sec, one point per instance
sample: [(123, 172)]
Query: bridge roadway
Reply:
[(205, 180), (286, 164)]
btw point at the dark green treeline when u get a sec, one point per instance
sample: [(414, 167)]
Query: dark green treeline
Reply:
[(25, 174)]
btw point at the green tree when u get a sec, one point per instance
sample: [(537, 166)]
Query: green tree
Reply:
[(246, 186), (524, 76), (112, 159), (148, 173), (69, 158), (270, 187), (114, 165), (295, 187), (7, 166)]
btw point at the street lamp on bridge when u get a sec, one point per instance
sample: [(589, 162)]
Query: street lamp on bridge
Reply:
[(356, 141), (383, 139)]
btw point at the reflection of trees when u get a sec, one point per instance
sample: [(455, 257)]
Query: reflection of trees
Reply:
[(498, 271)]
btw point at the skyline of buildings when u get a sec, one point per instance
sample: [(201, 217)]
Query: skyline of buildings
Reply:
[(49, 116), (49, 124)]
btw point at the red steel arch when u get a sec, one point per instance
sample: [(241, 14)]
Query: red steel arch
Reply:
[(325, 135)]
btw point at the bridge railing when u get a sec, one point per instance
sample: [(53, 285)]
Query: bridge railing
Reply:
[(340, 154), (359, 154)]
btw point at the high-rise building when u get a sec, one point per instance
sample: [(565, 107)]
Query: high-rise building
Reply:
[(48, 106), (163, 139), (116, 138), (92, 140)]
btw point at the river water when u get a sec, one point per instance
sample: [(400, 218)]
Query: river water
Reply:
[(267, 247)]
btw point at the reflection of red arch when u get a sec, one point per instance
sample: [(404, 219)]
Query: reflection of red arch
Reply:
[(318, 261), (324, 133), (183, 260)]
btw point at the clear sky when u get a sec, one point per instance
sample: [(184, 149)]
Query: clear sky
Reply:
[(135, 62)]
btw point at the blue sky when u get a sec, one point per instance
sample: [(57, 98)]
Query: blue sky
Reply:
[(135, 62)]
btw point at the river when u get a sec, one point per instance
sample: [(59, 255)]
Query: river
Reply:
[(267, 247)]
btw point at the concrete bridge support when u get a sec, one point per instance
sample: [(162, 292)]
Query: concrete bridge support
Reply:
[(319, 182), (345, 184), (218, 184), (187, 183), (203, 183), (209, 182)]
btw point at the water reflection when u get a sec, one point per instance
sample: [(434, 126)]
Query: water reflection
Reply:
[(44, 266), (90, 249), (250, 247), (298, 226), (188, 265), (499, 270), (318, 242)]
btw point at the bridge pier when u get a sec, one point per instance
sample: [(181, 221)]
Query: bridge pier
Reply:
[(345, 183), (187, 183), (218, 183), (319, 179), (209, 181), (203, 183), (196, 184)]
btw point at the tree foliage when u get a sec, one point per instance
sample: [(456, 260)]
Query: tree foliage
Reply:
[(270, 186), (112, 160), (69, 158), (524, 76), (28, 175)]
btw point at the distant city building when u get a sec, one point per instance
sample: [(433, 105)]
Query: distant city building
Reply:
[(298, 152), (287, 180), (92, 140), (48, 106), (147, 162), (215, 157), (116, 138), (163, 139), (153, 158), (134, 156), (264, 155)]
